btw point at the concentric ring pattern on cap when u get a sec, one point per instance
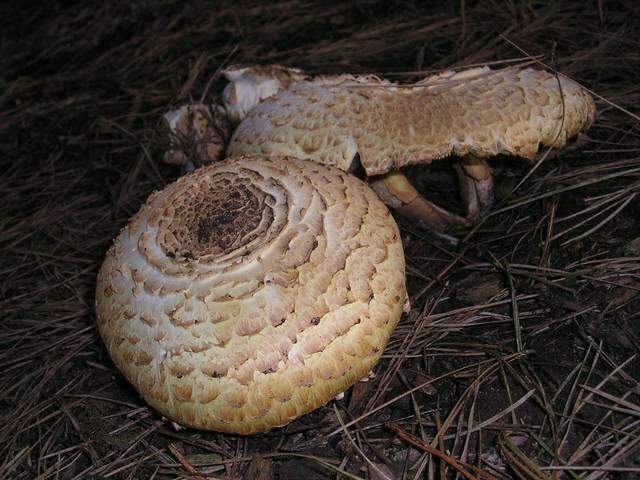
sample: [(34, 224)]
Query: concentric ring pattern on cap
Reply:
[(251, 292)]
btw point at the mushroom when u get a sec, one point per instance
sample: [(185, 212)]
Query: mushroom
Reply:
[(251, 291), (473, 114)]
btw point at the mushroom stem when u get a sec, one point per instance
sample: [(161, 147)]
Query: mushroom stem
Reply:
[(476, 184), (397, 192)]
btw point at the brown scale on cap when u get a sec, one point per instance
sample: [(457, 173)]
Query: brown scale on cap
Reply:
[(228, 215), (293, 284)]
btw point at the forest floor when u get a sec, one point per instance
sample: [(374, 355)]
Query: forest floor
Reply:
[(519, 357)]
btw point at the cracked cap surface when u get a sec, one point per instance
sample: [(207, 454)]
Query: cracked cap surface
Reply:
[(251, 291), (480, 111)]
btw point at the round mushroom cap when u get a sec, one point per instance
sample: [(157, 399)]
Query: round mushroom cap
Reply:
[(251, 291)]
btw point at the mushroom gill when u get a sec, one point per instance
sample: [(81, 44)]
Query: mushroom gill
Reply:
[(251, 291)]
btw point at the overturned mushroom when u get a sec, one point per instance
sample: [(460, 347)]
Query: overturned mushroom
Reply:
[(251, 291), (472, 114)]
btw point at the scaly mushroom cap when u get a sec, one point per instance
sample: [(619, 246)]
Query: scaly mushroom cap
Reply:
[(481, 111), (251, 291), (197, 133)]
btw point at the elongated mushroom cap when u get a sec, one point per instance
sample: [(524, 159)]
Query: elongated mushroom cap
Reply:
[(251, 291), (481, 111)]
